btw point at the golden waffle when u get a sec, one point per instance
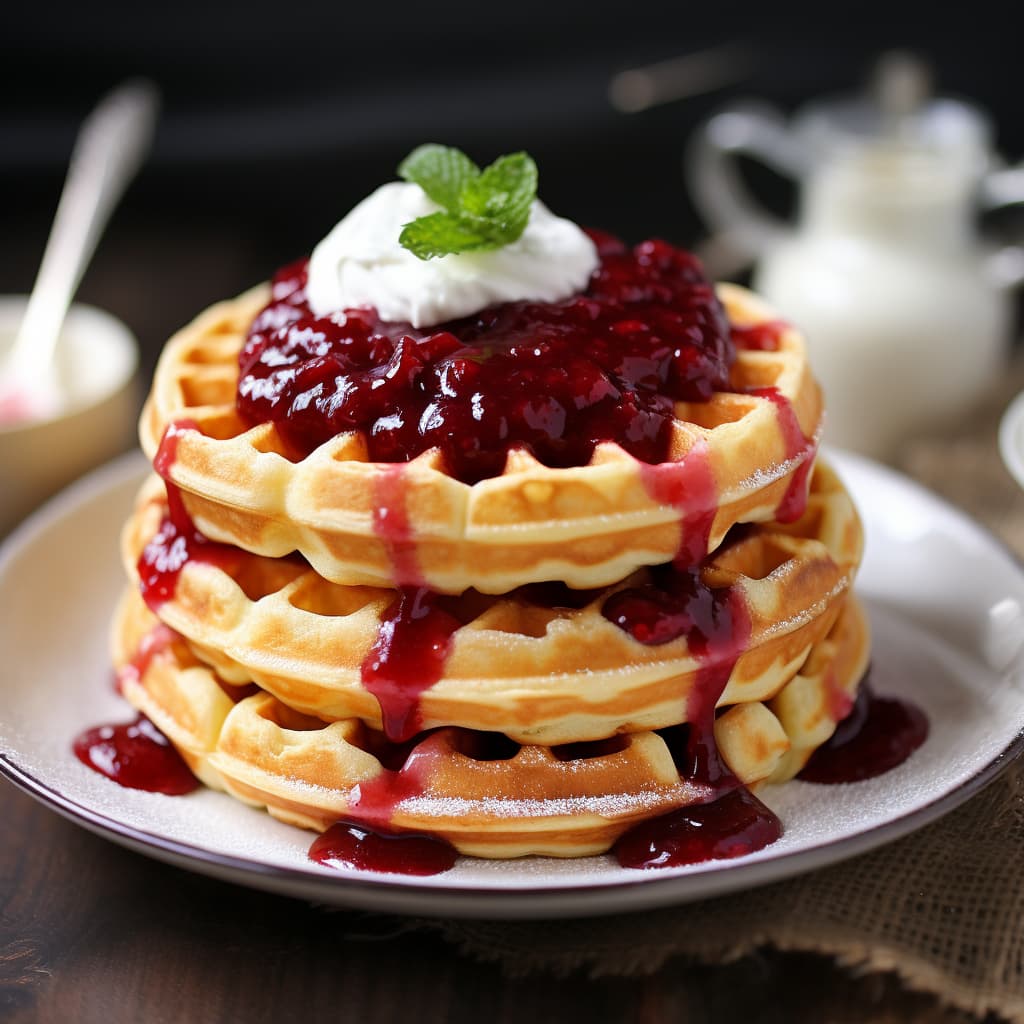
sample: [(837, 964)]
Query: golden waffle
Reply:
[(175, 689), (537, 674), (531, 800), (822, 691), (588, 526)]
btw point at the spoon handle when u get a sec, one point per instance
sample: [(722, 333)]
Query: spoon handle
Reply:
[(109, 149)]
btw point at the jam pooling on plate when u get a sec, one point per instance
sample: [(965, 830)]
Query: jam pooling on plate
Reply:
[(137, 756), (877, 735), (731, 826), (350, 845), (366, 840), (554, 378)]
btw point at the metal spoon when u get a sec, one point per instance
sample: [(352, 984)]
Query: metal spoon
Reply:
[(109, 149)]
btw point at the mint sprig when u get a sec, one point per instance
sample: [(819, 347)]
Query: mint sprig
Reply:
[(480, 209)]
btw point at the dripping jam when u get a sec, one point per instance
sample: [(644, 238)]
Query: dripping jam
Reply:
[(408, 657), (799, 449), (716, 622), (366, 839), (178, 541), (762, 337)]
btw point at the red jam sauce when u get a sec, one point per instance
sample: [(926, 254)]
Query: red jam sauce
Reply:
[(414, 640), (366, 839), (731, 826), (167, 453), (153, 644), (716, 622), (554, 378), (794, 501), (688, 485), (877, 735), (408, 657), (391, 524), (762, 337), (177, 542), (135, 755), (349, 845)]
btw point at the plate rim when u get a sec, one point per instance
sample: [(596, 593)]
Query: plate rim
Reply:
[(1011, 432), (396, 894), (389, 895)]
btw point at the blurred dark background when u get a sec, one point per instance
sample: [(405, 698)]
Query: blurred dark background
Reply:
[(279, 116)]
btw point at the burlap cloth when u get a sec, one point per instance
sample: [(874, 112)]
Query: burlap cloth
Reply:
[(943, 908)]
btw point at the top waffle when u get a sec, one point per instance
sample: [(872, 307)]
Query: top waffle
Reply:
[(586, 526)]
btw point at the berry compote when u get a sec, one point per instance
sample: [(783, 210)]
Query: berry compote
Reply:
[(555, 378)]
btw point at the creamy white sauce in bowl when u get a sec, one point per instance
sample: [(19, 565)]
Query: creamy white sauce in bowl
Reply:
[(96, 408)]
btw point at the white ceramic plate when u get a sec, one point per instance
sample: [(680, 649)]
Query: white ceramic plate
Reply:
[(1011, 438), (947, 606)]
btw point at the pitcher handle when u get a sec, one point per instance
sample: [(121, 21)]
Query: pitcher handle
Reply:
[(999, 188), (751, 129)]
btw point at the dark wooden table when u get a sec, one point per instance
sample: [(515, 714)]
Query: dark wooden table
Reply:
[(93, 934)]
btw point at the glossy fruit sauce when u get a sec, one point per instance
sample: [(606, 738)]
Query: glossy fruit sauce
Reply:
[(877, 735), (178, 541), (135, 755), (348, 844), (408, 657), (716, 623), (553, 378)]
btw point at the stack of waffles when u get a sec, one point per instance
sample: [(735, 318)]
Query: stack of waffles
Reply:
[(538, 662)]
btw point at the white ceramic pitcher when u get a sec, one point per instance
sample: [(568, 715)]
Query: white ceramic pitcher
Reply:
[(907, 311)]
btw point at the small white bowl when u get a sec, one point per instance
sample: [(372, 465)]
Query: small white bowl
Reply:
[(96, 364), (1011, 438)]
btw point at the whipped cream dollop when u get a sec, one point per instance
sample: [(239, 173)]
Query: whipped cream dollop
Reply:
[(360, 263)]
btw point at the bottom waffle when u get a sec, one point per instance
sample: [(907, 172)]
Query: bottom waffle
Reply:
[(483, 793)]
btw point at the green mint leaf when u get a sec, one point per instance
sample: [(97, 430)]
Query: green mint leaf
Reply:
[(481, 209), (442, 172), (502, 196), (441, 234)]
